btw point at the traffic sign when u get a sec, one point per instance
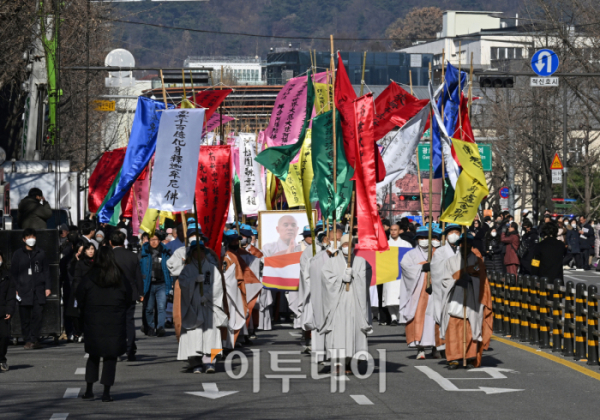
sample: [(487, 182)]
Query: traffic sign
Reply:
[(556, 162), (544, 62), (101, 105), (504, 192), (543, 82), (557, 176)]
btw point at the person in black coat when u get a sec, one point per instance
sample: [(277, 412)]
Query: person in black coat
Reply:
[(479, 231), (548, 254), (586, 241), (529, 240), (80, 266), (494, 257), (129, 264), (103, 297), (7, 310), (31, 274)]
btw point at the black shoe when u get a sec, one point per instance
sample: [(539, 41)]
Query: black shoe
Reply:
[(160, 332), (131, 358), (107, 398), (394, 323), (151, 332), (168, 324), (37, 345), (87, 396), (453, 365)]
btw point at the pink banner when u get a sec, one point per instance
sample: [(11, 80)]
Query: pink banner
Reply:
[(141, 192), (214, 120), (289, 111)]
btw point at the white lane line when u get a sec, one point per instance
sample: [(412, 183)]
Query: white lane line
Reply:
[(80, 371), (72, 393), (59, 416), (295, 334), (361, 400)]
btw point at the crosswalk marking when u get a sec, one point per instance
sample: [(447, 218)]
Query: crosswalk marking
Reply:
[(72, 393), (361, 400), (59, 416), (80, 371)]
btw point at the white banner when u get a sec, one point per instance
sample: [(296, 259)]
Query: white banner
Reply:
[(176, 161), (251, 188), (398, 154)]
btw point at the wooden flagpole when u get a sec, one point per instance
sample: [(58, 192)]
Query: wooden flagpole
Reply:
[(350, 236), (221, 119), (465, 295), (334, 148), (164, 91), (183, 80), (418, 164)]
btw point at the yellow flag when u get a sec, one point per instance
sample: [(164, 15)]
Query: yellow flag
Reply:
[(307, 175), (292, 187), (322, 97), (300, 175), (149, 222), (471, 186), (187, 104)]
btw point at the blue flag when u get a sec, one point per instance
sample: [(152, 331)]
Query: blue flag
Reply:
[(450, 101), (141, 147)]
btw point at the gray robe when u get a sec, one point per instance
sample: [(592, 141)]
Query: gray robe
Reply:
[(456, 293), (305, 308), (200, 321), (439, 294), (347, 314)]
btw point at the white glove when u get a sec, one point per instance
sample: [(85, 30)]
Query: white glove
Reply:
[(347, 275)]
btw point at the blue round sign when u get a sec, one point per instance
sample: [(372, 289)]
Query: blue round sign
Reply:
[(544, 62), (504, 192)]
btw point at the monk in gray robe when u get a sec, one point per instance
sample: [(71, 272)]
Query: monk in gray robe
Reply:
[(346, 306)]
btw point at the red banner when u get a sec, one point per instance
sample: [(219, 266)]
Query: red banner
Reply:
[(394, 107), (103, 177), (213, 192), (370, 230), (211, 99)]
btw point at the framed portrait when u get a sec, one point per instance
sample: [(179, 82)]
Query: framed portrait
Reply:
[(279, 230)]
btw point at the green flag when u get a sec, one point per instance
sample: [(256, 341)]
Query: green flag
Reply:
[(114, 220), (322, 156), (277, 158)]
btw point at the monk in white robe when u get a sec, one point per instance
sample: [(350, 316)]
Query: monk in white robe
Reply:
[(437, 266), (467, 291), (347, 313), (415, 298), (199, 313), (392, 289)]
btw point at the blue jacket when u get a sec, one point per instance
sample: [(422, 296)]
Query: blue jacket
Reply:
[(146, 266), (573, 241)]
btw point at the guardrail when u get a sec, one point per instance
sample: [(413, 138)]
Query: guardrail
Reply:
[(549, 314)]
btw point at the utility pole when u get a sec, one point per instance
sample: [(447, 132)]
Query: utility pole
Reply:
[(564, 153)]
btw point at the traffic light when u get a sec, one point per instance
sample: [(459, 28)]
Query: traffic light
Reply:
[(408, 197), (496, 81)]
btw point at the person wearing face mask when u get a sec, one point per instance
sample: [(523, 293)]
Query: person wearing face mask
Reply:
[(78, 269), (305, 307), (30, 273), (529, 240), (414, 298), (237, 275), (347, 316), (494, 258), (511, 239), (391, 290), (465, 281), (573, 250), (437, 265), (99, 237)]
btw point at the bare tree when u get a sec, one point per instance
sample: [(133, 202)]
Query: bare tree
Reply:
[(419, 23)]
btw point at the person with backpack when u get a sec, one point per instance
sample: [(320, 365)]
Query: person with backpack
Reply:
[(511, 239)]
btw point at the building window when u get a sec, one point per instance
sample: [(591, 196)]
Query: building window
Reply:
[(494, 54)]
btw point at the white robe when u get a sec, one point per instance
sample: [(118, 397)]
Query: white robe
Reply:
[(305, 308), (315, 265), (413, 281), (391, 289), (200, 321), (457, 294), (235, 304), (347, 314), (437, 273)]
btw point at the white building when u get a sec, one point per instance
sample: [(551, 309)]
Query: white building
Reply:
[(247, 70), (487, 35)]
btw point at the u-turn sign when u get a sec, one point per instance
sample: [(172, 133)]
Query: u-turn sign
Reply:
[(544, 62)]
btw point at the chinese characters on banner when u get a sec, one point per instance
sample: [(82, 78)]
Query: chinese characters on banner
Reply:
[(177, 149), (251, 188), (140, 203), (213, 192), (210, 99), (216, 120), (289, 112)]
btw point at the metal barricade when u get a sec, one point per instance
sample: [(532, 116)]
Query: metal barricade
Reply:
[(580, 322), (592, 338), (506, 304), (543, 314), (557, 322), (515, 307), (569, 320), (534, 316)]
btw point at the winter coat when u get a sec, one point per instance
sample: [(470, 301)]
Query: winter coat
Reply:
[(78, 269), (529, 241), (512, 244), (588, 241), (549, 253), (32, 214), (29, 285), (573, 241), (103, 316), (494, 260), (7, 295), (146, 266)]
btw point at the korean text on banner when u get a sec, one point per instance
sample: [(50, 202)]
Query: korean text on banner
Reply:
[(177, 150)]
